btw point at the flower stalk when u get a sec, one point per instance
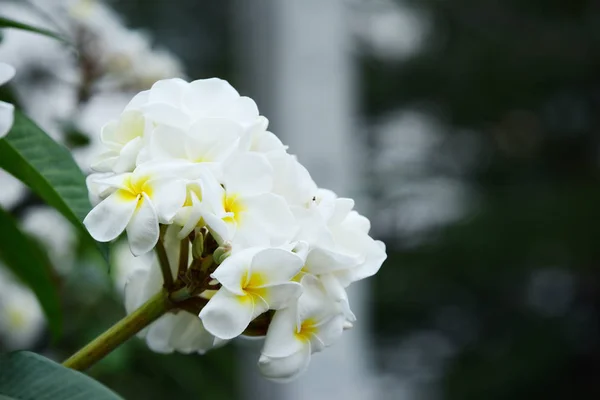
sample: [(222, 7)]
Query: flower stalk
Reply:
[(120, 332), (161, 252)]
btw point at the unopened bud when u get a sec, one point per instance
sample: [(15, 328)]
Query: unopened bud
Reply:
[(198, 246), (222, 252)]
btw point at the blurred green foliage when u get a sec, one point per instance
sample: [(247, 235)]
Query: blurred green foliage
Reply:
[(514, 287)]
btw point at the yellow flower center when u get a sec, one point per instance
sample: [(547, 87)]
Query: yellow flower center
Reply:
[(193, 188), (307, 329), (251, 285), (134, 188), (300, 274), (234, 207)]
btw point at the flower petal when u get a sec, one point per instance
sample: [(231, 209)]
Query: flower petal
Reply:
[(189, 334), (243, 110), (143, 229), (267, 215), (205, 95), (168, 197), (281, 295), (292, 180), (285, 369), (167, 142), (189, 217), (227, 315), (331, 330), (134, 290), (166, 114), (322, 261), (314, 303), (374, 257), (248, 174), (281, 340), (128, 156), (159, 334), (212, 139), (168, 91), (105, 161), (335, 290), (234, 270), (138, 100), (109, 218), (342, 206), (277, 264), (221, 231), (259, 125)]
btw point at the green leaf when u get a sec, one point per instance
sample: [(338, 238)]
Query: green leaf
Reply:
[(48, 168), (27, 261), (29, 376), (9, 23)]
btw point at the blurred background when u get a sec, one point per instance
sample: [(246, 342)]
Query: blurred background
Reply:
[(467, 130)]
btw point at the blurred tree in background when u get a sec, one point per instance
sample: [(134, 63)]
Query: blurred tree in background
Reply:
[(512, 290)]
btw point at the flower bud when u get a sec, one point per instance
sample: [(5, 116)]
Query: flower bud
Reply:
[(222, 252), (198, 245)]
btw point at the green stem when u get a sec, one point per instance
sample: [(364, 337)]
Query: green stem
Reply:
[(180, 295), (184, 252), (120, 332), (164, 260)]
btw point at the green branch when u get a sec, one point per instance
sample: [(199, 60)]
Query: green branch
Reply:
[(119, 333)]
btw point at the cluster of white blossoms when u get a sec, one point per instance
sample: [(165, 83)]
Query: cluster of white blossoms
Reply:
[(191, 170)]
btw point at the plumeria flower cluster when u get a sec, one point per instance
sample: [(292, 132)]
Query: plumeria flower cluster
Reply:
[(244, 239)]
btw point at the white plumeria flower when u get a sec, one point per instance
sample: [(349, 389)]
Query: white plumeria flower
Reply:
[(190, 215), (245, 212), (177, 103), (21, 318), (140, 201), (258, 139), (292, 181), (351, 236), (125, 139), (346, 249), (124, 264), (208, 140), (297, 332), (337, 247), (182, 332), (6, 109), (253, 281)]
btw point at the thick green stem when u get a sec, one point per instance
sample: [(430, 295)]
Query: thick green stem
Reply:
[(165, 267), (119, 333), (184, 252)]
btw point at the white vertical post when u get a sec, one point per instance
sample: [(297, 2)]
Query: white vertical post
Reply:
[(295, 60)]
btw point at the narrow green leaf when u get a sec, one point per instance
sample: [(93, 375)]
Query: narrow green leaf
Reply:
[(27, 261), (10, 23), (48, 168), (29, 376)]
